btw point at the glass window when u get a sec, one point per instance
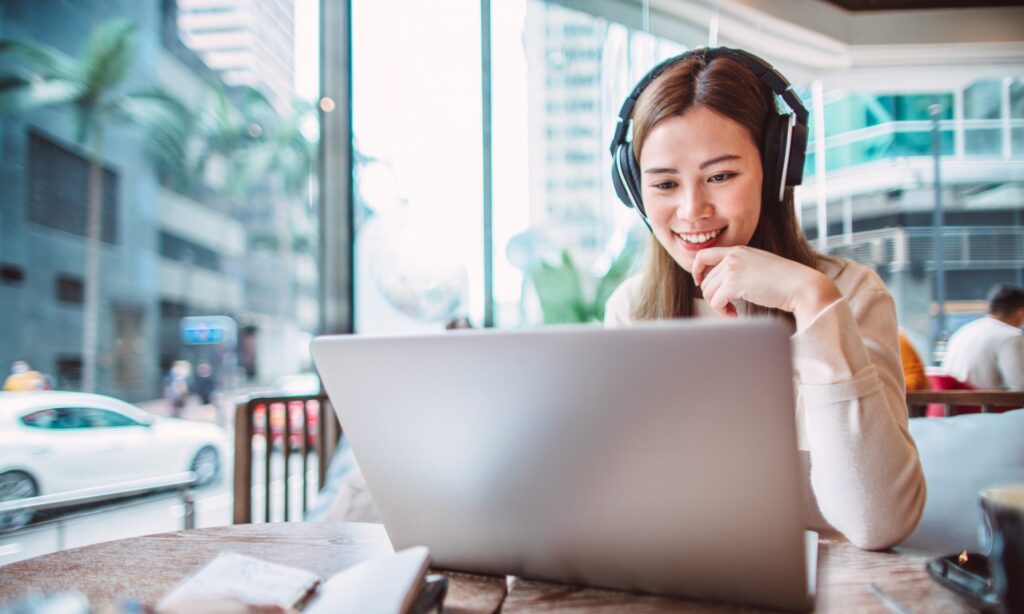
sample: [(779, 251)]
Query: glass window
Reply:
[(95, 418), (58, 189), (983, 142), (77, 418), (983, 100), (57, 418), (419, 165), (1017, 98), (917, 107), (43, 419), (562, 239), (153, 169)]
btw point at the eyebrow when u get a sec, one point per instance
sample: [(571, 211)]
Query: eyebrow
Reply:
[(703, 165)]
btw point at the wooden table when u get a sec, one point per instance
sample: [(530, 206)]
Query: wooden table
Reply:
[(144, 568)]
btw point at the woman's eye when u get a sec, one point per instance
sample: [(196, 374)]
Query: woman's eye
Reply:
[(720, 177), (665, 185)]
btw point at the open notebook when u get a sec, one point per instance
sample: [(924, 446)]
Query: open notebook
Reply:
[(385, 584)]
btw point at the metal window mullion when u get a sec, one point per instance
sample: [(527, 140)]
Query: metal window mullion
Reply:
[(1004, 103), (335, 177), (959, 149), (488, 145)]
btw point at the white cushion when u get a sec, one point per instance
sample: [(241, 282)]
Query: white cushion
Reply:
[(961, 456)]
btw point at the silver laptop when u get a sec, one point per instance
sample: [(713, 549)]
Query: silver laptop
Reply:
[(661, 458)]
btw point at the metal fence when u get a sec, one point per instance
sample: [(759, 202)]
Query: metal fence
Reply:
[(963, 247), (179, 484)]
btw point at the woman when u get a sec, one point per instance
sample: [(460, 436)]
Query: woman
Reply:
[(711, 180)]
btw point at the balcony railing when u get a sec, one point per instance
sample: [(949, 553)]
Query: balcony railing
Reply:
[(963, 247)]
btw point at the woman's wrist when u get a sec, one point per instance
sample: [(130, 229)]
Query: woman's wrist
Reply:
[(814, 296)]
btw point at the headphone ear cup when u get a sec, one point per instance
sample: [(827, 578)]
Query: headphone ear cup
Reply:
[(797, 154), (618, 178), (625, 177), (633, 174), (772, 151)]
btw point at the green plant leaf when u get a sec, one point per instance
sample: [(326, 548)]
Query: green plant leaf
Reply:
[(43, 59), (561, 292), (617, 273), (108, 56)]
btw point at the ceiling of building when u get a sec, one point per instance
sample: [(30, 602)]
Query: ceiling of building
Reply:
[(901, 5)]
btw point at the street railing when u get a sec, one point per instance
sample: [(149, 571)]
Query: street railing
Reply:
[(180, 482)]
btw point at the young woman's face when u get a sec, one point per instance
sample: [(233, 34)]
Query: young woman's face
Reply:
[(701, 183)]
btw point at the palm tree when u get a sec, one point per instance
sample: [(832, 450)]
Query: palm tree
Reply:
[(90, 86), (261, 151)]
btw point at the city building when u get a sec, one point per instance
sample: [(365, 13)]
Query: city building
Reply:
[(248, 42), (166, 252)]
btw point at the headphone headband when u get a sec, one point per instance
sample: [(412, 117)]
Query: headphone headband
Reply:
[(764, 71), (785, 135)]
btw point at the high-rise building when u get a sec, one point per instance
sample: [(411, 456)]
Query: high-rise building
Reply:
[(580, 69), (249, 42)]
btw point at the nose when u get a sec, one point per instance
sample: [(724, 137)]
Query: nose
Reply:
[(693, 204)]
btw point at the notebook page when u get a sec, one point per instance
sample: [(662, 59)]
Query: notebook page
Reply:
[(247, 578)]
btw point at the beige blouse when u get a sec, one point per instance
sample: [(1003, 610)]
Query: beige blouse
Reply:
[(850, 407)]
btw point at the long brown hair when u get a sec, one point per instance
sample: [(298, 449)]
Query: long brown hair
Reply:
[(730, 89)]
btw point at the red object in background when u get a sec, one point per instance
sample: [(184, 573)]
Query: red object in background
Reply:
[(948, 382), (295, 426)]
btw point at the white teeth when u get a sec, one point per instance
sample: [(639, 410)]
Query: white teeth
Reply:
[(702, 237)]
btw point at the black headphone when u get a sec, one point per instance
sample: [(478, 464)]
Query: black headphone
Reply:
[(785, 135)]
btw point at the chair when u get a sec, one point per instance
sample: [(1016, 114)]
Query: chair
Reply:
[(961, 456), (302, 424)]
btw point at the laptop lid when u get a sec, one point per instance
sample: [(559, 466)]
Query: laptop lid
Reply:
[(660, 458)]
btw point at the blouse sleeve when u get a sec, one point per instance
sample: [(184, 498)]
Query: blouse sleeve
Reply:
[(865, 470)]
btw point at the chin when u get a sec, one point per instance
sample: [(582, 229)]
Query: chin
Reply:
[(685, 262)]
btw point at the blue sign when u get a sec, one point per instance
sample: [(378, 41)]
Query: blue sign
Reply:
[(204, 330)]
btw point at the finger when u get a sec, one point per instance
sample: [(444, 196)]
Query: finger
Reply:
[(706, 259), (721, 301), (713, 280), (717, 291)]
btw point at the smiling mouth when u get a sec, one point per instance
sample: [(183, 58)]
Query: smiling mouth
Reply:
[(700, 238)]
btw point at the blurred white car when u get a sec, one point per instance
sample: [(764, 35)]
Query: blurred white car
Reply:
[(52, 442), (298, 384)]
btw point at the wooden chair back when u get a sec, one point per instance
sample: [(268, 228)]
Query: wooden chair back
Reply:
[(269, 432)]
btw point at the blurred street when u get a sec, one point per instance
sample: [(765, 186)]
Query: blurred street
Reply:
[(162, 512)]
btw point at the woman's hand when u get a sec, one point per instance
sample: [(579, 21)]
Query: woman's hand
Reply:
[(725, 274)]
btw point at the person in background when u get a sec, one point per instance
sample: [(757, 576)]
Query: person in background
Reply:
[(206, 382), (988, 353), (913, 367), (704, 169), (176, 387), (24, 379), (459, 323)]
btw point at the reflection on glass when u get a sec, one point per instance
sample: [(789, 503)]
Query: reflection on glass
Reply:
[(560, 77), (983, 100), (983, 142)]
